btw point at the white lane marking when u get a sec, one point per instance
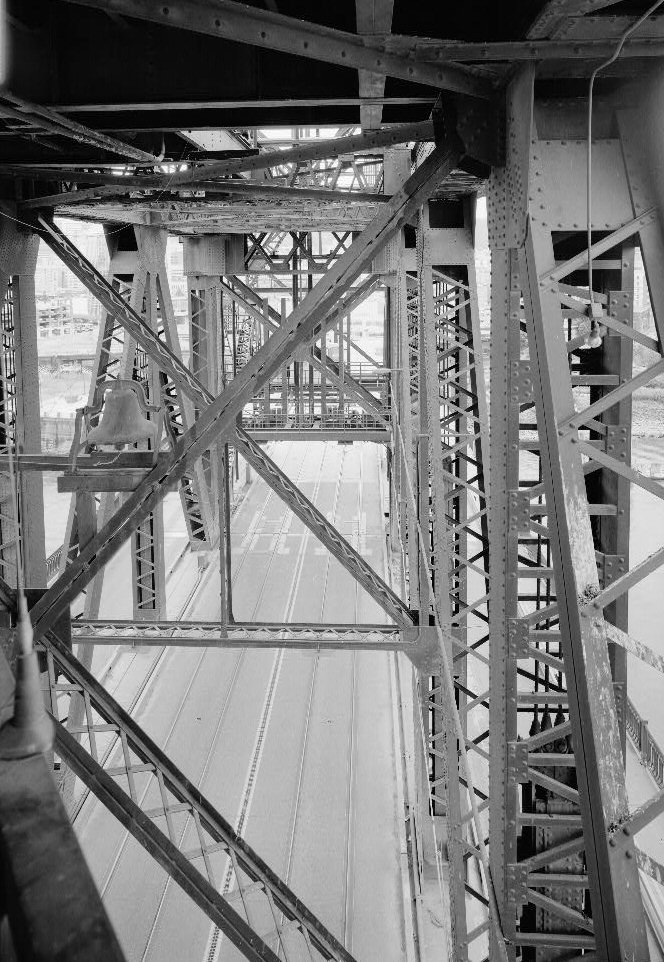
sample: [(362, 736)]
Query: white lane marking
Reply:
[(214, 943), (215, 938), (162, 656)]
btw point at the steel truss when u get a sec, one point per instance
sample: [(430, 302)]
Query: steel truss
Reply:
[(218, 416), (278, 32), (161, 344), (246, 634), (566, 873), (325, 398), (105, 748), (439, 409), (355, 173), (282, 252), (168, 816)]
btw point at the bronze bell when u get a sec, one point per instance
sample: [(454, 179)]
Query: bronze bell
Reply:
[(123, 420)]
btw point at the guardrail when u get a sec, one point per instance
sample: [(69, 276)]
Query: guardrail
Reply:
[(650, 752), (53, 563), (334, 422)]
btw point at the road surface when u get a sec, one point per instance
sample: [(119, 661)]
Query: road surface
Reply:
[(299, 750)]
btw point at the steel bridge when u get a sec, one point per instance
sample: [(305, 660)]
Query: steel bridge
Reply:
[(447, 576)]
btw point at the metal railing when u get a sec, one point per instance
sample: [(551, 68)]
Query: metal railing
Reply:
[(333, 421), (649, 751), (53, 563)]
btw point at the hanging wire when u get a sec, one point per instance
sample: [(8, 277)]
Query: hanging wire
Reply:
[(614, 56), (448, 682)]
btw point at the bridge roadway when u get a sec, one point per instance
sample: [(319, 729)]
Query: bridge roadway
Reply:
[(299, 750)]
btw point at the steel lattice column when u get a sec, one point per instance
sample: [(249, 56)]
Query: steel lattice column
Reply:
[(207, 349), (558, 786), (19, 402)]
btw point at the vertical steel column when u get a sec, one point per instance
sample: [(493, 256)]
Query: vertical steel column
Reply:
[(20, 427), (555, 787), (206, 360), (205, 337), (504, 453), (619, 924), (129, 279), (147, 542), (444, 784), (114, 359), (397, 169)]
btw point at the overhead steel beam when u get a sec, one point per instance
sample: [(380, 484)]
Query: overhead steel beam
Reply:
[(372, 16), (507, 51), (316, 521), (55, 123), (554, 13), (262, 28), (145, 107), (366, 142), (323, 149), (257, 191), (218, 418)]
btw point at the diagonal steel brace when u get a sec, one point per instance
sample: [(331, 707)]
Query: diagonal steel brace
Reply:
[(326, 533)]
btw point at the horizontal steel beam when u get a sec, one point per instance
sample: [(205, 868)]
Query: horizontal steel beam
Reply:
[(377, 436), (53, 122), (260, 104), (424, 50), (101, 460), (274, 31), (213, 634), (214, 191), (580, 261), (553, 14), (324, 149), (367, 142)]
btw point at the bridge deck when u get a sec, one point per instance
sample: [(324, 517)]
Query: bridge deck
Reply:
[(300, 751)]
